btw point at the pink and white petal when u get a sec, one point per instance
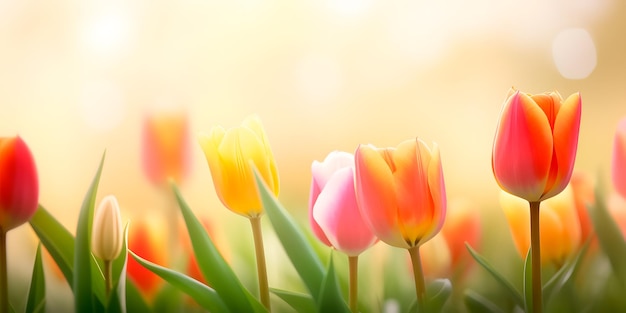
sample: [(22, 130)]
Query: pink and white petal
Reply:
[(618, 169)]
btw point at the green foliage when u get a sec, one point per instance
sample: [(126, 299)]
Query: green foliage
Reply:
[(37, 293)]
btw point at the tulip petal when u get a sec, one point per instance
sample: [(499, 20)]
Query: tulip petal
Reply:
[(338, 215), (375, 188), (438, 191), (317, 231), (522, 150), (323, 171), (210, 144), (254, 124), (566, 130), (618, 169), (517, 214)]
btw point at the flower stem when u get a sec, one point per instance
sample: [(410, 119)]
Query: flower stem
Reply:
[(108, 277), (354, 283), (420, 288), (536, 256), (260, 261), (4, 281)]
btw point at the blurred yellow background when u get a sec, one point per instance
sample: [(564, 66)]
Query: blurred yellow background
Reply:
[(77, 78)]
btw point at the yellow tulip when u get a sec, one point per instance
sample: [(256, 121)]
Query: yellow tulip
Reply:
[(232, 154)]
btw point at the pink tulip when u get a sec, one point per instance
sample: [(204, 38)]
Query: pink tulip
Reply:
[(401, 192), (535, 144), (333, 212), (619, 158)]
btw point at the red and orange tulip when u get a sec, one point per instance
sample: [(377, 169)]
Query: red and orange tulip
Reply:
[(559, 227), (401, 192), (535, 144), (333, 211), (19, 184), (147, 239), (166, 147), (619, 158)]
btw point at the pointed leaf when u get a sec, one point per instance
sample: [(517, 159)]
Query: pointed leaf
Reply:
[(299, 251), (134, 299), (528, 282), (564, 274), (37, 293), (117, 302), (298, 301), (476, 303), (83, 287), (437, 294), (513, 292), (213, 266), (609, 236), (330, 299), (168, 300), (208, 298)]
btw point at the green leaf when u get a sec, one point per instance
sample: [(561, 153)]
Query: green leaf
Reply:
[(84, 289), (37, 293), (330, 299), (168, 299), (57, 240), (298, 301), (513, 292), (564, 274), (476, 303), (298, 249), (437, 294), (213, 266), (206, 297), (609, 236), (528, 282), (117, 302)]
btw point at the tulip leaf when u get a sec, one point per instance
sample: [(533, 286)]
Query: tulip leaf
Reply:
[(298, 301), (134, 299), (208, 298), (298, 249), (84, 284), (117, 302), (528, 283), (37, 292), (437, 294), (168, 299), (564, 274), (330, 299), (214, 268), (476, 303), (513, 292), (609, 236)]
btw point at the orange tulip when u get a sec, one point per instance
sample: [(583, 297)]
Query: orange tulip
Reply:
[(535, 144), (231, 156), (619, 158), (462, 225), (165, 147), (401, 192), (583, 190), (559, 227), (19, 184), (147, 239)]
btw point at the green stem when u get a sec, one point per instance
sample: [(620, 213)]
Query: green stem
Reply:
[(536, 256), (354, 283), (420, 286), (260, 261), (108, 277), (4, 281)]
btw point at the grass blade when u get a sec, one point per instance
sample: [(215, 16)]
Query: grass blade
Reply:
[(298, 301)]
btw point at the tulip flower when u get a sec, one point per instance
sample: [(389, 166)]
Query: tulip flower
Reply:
[(401, 194), (106, 236), (165, 147), (147, 239), (559, 226), (619, 158), (233, 155), (334, 214), (462, 225), (19, 194), (583, 190), (533, 156)]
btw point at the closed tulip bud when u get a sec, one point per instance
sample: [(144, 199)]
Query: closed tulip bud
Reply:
[(401, 192), (106, 233), (232, 154), (165, 147), (535, 144), (333, 211), (558, 226), (19, 184), (619, 159)]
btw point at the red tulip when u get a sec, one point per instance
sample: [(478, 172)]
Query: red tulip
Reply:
[(535, 144), (19, 185), (147, 239), (333, 211), (619, 158), (401, 192)]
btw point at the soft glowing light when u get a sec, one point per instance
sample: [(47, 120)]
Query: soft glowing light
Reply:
[(349, 7), (318, 78), (574, 53), (107, 34), (102, 105)]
